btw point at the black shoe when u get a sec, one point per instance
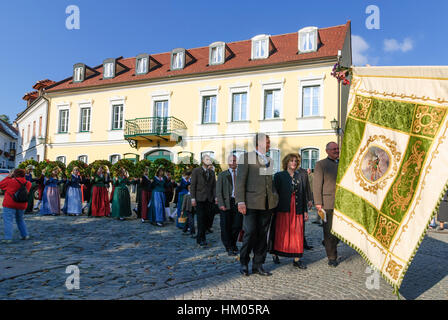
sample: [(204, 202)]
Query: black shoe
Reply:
[(261, 272), (244, 270), (209, 230), (308, 247), (203, 244), (230, 252), (276, 259), (333, 263), (235, 250), (299, 264)]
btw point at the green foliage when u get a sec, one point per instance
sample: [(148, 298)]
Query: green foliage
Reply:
[(140, 168), (167, 165), (126, 164), (83, 168), (183, 166), (49, 166)]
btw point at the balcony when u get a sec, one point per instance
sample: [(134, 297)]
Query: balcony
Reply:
[(154, 131)]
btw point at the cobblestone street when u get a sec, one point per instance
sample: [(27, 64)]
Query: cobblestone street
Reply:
[(131, 260)]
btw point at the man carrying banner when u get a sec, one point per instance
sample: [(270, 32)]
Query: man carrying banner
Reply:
[(324, 189)]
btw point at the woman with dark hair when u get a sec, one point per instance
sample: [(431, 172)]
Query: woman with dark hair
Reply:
[(157, 204), (73, 195), (121, 203), (99, 201), (51, 200), (286, 236), (12, 209), (144, 196), (182, 190)]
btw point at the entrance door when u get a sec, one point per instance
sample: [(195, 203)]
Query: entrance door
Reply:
[(161, 114), (159, 154)]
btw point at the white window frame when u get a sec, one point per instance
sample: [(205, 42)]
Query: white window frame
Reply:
[(160, 96), (114, 155), (211, 154), (114, 106), (277, 84), (307, 82), (210, 120), (67, 120), (277, 162), (108, 71), (81, 156), (260, 42), (58, 158), (309, 148), (81, 108), (311, 33), (78, 74), (178, 60), (217, 47), (145, 65)]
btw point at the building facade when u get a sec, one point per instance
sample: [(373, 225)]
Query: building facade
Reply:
[(8, 145), (210, 100)]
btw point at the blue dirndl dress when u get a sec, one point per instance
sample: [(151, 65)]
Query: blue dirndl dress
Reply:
[(181, 191), (157, 203), (73, 196)]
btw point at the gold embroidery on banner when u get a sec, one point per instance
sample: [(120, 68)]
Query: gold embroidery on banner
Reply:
[(385, 231), (370, 186), (405, 181), (426, 121), (361, 107), (393, 269), (403, 96)]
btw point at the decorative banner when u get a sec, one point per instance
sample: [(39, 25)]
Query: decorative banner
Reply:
[(393, 168)]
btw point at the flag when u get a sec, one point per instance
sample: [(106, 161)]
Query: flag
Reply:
[(393, 167)]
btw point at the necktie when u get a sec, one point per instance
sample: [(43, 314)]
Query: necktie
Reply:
[(233, 182)]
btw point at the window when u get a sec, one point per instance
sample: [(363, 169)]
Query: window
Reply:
[(310, 101), (309, 158), (109, 70), (63, 121), (217, 50), (177, 60), (40, 126), (114, 158), (238, 153), (78, 74), (28, 134), (117, 117), (275, 155), (85, 120), (308, 39), (83, 158), (23, 136), (142, 65), (239, 106), (209, 109), (34, 129), (272, 100), (260, 47), (12, 145), (61, 158)]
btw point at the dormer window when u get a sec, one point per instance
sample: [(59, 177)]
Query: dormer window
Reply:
[(260, 47), (308, 39), (142, 64), (108, 68), (78, 72), (217, 53), (177, 59)]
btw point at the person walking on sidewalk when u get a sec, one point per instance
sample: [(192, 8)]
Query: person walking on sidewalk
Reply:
[(203, 195), (230, 219), (11, 208), (324, 190), (256, 197)]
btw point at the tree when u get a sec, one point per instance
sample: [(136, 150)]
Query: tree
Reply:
[(5, 118)]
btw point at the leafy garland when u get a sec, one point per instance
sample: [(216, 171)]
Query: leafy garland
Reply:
[(126, 164), (83, 168), (95, 165), (25, 164), (50, 166), (140, 168), (341, 73), (167, 165)]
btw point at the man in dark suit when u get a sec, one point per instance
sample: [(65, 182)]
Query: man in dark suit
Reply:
[(231, 220), (203, 190), (256, 197), (324, 190)]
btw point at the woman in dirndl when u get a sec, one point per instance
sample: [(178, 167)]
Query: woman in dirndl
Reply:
[(51, 199), (73, 195), (182, 190), (99, 201), (121, 203), (157, 204), (286, 236), (144, 189)]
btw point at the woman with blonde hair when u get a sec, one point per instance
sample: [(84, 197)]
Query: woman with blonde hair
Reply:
[(73, 195), (51, 199), (287, 227)]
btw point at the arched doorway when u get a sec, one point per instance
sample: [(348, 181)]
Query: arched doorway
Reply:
[(159, 154)]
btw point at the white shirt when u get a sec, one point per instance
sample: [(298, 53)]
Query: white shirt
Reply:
[(233, 175)]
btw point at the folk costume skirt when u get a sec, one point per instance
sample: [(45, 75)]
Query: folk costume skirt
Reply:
[(73, 201), (288, 239), (51, 201), (100, 205)]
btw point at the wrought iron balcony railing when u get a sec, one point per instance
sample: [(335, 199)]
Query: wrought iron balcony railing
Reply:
[(153, 126)]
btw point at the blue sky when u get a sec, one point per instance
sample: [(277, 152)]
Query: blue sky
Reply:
[(35, 43)]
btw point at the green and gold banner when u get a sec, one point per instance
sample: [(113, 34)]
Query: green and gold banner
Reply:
[(393, 167)]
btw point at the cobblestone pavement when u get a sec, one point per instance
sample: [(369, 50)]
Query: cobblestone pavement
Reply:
[(131, 260)]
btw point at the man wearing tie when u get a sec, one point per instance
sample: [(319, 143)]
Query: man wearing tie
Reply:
[(256, 197), (203, 190), (231, 220)]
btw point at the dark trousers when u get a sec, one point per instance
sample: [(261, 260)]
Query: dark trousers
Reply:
[(231, 224), (330, 241), (211, 217), (255, 227), (203, 211), (190, 222)]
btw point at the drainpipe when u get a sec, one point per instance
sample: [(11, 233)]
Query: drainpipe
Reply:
[(339, 104)]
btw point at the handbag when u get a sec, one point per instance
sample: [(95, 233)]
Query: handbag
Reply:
[(182, 219)]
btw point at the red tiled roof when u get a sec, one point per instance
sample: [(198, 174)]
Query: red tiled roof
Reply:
[(31, 96), (43, 84), (332, 40)]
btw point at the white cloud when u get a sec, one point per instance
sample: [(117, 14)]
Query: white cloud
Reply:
[(359, 48), (392, 45)]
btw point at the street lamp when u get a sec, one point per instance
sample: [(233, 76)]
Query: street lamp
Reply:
[(334, 125)]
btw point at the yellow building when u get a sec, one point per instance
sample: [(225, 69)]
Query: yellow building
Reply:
[(204, 100)]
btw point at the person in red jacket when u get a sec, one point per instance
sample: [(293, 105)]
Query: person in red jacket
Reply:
[(12, 209)]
